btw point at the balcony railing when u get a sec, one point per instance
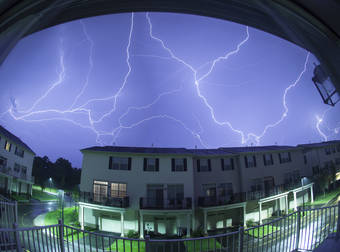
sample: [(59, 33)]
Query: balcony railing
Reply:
[(152, 203), (232, 198), (93, 198), (5, 169)]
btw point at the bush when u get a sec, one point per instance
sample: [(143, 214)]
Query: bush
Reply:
[(132, 234), (250, 223), (197, 233)]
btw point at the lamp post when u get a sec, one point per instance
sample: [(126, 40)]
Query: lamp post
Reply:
[(50, 183)]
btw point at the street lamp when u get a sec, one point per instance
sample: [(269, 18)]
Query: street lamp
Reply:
[(50, 183)]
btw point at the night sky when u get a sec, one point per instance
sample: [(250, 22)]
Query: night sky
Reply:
[(167, 80)]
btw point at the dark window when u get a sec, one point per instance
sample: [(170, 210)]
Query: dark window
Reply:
[(23, 170), (305, 159), (19, 152), (338, 147), (250, 161), (256, 185), (316, 170), (151, 164), (203, 165), (337, 161), (16, 167), (227, 164), (178, 164), (268, 159), (328, 150), (120, 163), (285, 157)]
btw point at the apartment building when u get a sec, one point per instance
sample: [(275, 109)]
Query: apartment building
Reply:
[(178, 190), (16, 160)]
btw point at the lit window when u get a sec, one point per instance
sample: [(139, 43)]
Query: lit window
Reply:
[(119, 163), (203, 165), (100, 190), (151, 164), (227, 164), (178, 164), (118, 190), (8, 146)]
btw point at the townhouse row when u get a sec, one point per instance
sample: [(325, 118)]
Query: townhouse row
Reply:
[(177, 190), (16, 160)]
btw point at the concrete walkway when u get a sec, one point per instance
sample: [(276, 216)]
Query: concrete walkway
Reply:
[(39, 220)]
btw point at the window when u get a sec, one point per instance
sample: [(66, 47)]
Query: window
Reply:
[(250, 161), (16, 167), (225, 189), (203, 165), (118, 190), (328, 150), (227, 164), (285, 157), (305, 159), (151, 164), (338, 147), (120, 163), (268, 159), (292, 177), (8, 146), (209, 190), (19, 152), (333, 149), (100, 190), (256, 185), (178, 164), (23, 170), (175, 194)]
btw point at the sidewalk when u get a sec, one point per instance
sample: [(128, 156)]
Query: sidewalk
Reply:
[(39, 220)]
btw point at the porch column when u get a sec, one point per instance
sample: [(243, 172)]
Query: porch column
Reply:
[(81, 208), (286, 204), (205, 222), (193, 221), (188, 225), (31, 187), (311, 194), (141, 226), (295, 202), (244, 216), (260, 213), (20, 187), (122, 224)]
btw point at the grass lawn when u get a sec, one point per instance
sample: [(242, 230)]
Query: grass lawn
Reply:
[(324, 199), (47, 189), (128, 244), (207, 245), (262, 231), (42, 196), (20, 198)]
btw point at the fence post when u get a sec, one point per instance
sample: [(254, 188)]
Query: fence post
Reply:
[(338, 223), (15, 211), (147, 239), (16, 237), (240, 238), (298, 224), (61, 235)]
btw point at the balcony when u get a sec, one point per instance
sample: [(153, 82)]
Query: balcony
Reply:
[(170, 204), (210, 201), (5, 170), (93, 198)]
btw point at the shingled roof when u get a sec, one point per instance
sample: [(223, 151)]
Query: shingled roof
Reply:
[(4, 132)]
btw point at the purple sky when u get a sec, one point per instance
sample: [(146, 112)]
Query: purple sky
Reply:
[(164, 79)]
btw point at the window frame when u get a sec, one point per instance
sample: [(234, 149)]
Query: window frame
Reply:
[(228, 167), (112, 164), (146, 165), (247, 162), (199, 165), (174, 166)]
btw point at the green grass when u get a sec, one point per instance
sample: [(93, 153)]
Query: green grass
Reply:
[(120, 244), (324, 199), (207, 245), (20, 197), (47, 189), (42, 196), (262, 231)]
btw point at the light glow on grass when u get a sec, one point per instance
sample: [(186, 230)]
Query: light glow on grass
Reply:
[(261, 231)]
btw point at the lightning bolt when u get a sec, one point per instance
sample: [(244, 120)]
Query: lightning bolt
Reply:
[(320, 120)]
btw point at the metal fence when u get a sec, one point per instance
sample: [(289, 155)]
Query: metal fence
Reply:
[(304, 229), (8, 212)]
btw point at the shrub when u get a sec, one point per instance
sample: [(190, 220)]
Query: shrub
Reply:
[(132, 234), (250, 223)]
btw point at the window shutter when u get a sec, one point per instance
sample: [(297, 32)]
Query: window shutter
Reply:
[(145, 164), (232, 163), (280, 158), (157, 164), (209, 165), (222, 164), (185, 164), (173, 164), (254, 158), (271, 158), (246, 161), (198, 165), (264, 159), (129, 164), (110, 163)]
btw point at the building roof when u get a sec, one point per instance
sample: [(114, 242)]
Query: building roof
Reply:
[(4, 132), (319, 145), (184, 151)]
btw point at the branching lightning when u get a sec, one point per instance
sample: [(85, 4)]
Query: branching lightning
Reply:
[(198, 75), (320, 121)]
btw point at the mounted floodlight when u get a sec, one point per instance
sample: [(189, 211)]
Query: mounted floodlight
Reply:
[(324, 86)]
